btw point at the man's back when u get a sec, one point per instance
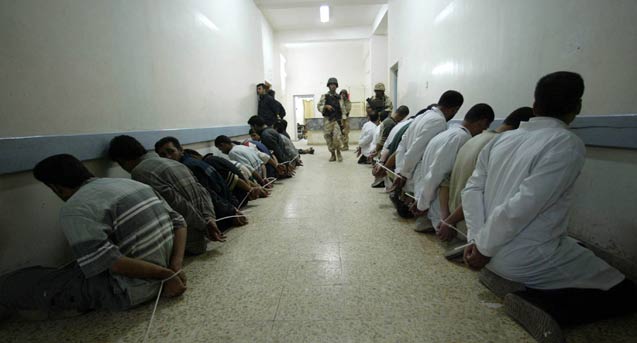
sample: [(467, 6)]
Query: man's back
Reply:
[(416, 138), (245, 155), (527, 177), (386, 127), (109, 218), (367, 137), (268, 108), (465, 164), (397, 131), (535, 148), (271, 139), (176, 183), (437, 163), (290, 149)]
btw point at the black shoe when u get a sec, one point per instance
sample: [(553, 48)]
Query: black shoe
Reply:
[(380, 183), (362, 160), (533, 319), (498, 285)]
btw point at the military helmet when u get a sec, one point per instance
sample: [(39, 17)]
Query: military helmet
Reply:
[(332, 80), (379, 87)]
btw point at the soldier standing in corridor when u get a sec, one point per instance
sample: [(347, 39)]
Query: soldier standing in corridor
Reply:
[(347, 108), (380, 103), (331, 106)]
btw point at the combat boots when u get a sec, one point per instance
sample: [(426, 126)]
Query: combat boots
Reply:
[(333, 157), (338, 156)]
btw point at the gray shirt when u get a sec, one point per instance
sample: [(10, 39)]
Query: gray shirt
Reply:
[(176, 183), (110, 218)]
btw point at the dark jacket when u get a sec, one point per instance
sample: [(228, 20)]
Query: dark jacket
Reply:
[(220, 195), (271, 139), (269, 109)]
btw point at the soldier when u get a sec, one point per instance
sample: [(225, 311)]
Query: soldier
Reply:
[(332, 107), (380, 103), (346, 110)]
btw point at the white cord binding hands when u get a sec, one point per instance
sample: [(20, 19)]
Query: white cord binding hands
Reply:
[(152, 317), (444, 222)]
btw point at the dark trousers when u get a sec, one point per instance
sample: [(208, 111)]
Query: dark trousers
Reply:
[(574, 306), (271, 171), (59, 289)]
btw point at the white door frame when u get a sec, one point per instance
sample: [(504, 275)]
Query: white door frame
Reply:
[(294, 97)]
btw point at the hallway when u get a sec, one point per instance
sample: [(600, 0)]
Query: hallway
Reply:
[(332, 264)]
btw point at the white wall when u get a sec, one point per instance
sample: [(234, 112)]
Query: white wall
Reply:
[(379, 69), (603, 212), (96, 66), (309, 65), (267, 43), (494, 51), (102, 66)]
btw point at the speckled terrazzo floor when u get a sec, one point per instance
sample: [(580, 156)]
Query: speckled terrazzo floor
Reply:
[(325, 259)]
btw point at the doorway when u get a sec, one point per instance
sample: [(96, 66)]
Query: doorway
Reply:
[(303, 108), (393, 83)]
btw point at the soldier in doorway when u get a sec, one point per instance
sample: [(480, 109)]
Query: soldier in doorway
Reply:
[(346, 110), (331, 106), (380, 103)]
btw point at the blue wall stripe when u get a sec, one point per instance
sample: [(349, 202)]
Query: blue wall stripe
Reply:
[(22, 153), (610, 131)]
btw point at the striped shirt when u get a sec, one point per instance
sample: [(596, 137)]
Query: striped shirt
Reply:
[(246, 156), (110, 218), (176, 183)]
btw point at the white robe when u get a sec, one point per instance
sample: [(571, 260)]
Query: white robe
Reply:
[(437, 163), (376, 135), (367, 138), (516, 207), (415, 140)]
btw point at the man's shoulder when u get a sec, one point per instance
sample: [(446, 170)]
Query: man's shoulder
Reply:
[(162, 166), (100, 193), (430, 119), (266, 97)]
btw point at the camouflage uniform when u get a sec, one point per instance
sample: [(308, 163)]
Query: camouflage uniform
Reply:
[(332, 120), (380, 105), (347, 108)]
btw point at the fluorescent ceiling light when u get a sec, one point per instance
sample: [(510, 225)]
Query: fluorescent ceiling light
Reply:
[(325, 13)]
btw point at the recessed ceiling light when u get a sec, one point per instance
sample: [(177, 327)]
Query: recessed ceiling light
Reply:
[(325, 13)]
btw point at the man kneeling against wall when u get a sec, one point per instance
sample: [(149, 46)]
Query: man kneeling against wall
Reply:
[(272, 140), (175, 183), (125, 240), (221, 195), (516, 207)]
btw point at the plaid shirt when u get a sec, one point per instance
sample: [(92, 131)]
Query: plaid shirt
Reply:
[(176, 183), (110, 218)]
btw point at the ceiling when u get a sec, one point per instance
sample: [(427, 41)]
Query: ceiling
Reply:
[(287, 15)]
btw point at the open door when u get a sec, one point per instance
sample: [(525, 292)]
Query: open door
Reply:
[(303, 108)]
